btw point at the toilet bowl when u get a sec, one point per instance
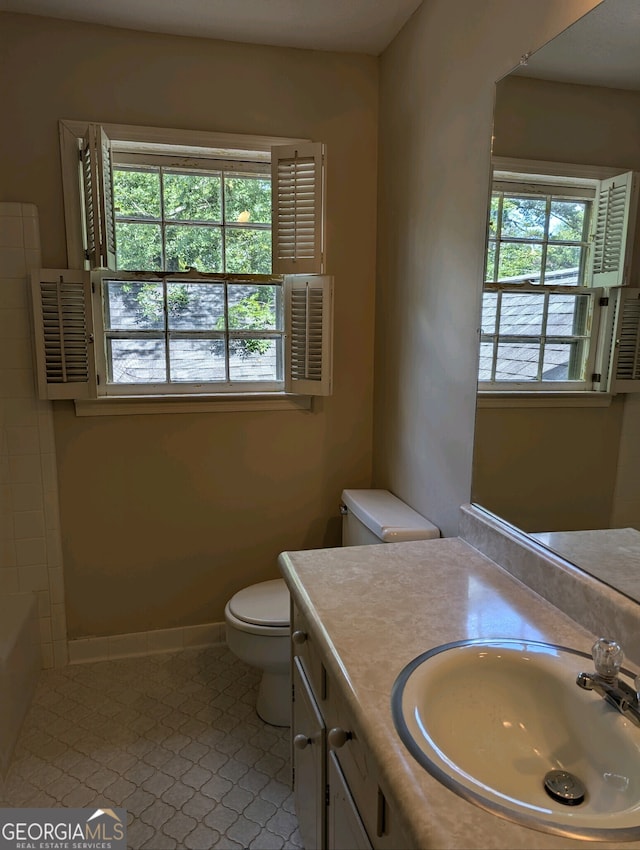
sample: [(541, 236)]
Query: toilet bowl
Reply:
[(257, 629), (257, 617)]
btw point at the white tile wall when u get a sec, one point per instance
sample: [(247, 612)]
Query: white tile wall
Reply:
[(30, 546), (29, 517)]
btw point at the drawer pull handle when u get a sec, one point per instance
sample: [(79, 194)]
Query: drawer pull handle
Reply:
[(299, 636), (338, 737), (301, 741)]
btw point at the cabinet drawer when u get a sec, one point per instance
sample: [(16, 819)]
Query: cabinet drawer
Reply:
[(304, 647)]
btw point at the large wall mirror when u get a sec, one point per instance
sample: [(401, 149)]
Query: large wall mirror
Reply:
[(566, 468)]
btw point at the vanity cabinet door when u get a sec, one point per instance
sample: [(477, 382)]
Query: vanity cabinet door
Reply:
[(309, 747), (345, 830)]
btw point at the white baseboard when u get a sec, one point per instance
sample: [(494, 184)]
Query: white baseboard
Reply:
[(145, 643)]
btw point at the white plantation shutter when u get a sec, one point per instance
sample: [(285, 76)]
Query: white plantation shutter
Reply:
[(61, 302), (614, 221), (625, 348), (97, 175), (298, 190), (309, 334)]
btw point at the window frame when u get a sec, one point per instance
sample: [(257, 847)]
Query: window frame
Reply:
[(187, 388), (291, 155), (65, 345), (549, 176), (592, 325), (177, 164), (151, 141)]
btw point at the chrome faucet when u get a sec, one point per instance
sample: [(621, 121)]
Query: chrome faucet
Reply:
[(607, 657)]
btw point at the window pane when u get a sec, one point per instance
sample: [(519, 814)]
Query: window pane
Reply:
[(566, 220), (248, 251), (247, 198), (494, 211), (518, 260), (563, 265), (567, 315), (254, 360), (489, 306), (192, 197), (486, 361), (523, 217), (130, 304), (136, 194), (137, 361), (521, 313), (196, 306), (517, 361), (200, 247), (490, 270), (252, 307), (564, 361), (139, 247), (197, 360)]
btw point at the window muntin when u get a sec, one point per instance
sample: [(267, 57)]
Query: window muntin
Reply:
[(187, 335), (538, 311)]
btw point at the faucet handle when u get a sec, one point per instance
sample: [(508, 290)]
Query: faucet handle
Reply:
[(607, 657)]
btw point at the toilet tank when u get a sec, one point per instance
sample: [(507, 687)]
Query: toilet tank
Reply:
[(377, 516)]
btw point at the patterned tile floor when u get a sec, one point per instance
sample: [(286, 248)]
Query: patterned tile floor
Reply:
[(174, 739)]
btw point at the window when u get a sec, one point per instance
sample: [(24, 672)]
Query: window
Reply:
[(557, 256), (214, 216), (186, 332), (188, 252)]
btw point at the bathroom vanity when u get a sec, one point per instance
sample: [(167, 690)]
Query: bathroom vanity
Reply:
[(360, 614), (340, 798)]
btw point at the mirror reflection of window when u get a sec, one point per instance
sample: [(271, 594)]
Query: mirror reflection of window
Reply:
[(541, 315), (536, 240)]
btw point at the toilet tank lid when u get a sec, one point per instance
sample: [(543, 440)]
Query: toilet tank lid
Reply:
[(388, 517), (264, 604)]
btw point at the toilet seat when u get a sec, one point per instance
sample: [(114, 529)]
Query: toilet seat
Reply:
[(262, 607)]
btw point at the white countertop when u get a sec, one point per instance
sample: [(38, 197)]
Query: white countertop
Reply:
[(373, 609)]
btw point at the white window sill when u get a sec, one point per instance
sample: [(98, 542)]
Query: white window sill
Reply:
[(135, 405), (488, 398)]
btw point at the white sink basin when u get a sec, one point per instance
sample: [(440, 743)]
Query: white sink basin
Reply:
[(490, 719)]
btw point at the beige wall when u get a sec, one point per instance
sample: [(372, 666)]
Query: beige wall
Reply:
[(165, 516), (560, 122), (625, 512), (557, 468), (548, 469), (436, 102)]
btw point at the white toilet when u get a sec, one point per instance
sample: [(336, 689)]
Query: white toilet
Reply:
[(257, 617)]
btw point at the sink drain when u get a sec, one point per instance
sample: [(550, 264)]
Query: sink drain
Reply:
[(564, 787)]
